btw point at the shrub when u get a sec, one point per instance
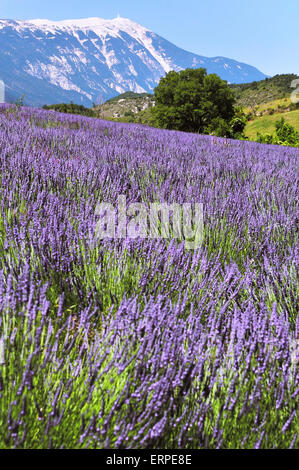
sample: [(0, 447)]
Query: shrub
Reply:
[(285, 135)]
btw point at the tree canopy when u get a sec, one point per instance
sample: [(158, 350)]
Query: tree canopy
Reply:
[(70, 108), (193, 101)]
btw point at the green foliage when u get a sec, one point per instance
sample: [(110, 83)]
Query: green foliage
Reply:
[(220, 128), (238, 125), (129, 114), (285, 135), (20, 102), (129, 95), (71, 108), (193, 101)]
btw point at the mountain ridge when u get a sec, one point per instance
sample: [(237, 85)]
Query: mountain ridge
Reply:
[(90, 59)]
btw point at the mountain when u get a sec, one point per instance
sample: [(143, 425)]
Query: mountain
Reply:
[(92, 60)]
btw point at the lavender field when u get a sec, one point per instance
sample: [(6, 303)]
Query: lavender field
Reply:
[(140, 343)]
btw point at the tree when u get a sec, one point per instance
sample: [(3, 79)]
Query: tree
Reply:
[(193, 101), (285, 135), (238, 125), (70, 108)]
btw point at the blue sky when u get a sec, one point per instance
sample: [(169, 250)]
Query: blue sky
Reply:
[(263, 33)]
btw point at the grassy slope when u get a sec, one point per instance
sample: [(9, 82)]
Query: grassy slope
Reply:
[(266, 123), (268, 101), (275, 105)]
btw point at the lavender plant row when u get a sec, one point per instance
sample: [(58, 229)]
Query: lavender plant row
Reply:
[(140, 343)]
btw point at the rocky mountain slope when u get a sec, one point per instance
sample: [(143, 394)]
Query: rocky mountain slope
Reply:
[(92, 60)]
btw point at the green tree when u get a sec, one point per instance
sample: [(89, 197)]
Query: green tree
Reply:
[(237, 126), (71, 108), (285, 135), (193, 101)]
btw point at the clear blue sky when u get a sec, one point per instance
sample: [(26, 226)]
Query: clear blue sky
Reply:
[(263, 33)]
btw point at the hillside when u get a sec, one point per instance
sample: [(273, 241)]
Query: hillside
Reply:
[(263, 103), (266, 102), (263, 95), (264, 91), (126, 106), (266, 123)]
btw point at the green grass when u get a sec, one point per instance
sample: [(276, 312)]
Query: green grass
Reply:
[(271, 105), (266, 123)]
